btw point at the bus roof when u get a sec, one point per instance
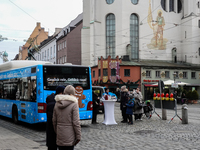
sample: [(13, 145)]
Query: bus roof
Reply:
[(20, 63)]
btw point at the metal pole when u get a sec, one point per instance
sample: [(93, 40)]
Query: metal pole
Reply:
[(164, 112)]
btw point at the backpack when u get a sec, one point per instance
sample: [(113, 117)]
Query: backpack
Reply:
[(137, 105)]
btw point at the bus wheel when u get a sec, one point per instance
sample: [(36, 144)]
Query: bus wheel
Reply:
[(15, 114)]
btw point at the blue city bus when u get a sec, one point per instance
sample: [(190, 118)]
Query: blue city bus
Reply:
[(25, 85)]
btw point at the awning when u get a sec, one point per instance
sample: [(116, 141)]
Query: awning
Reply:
[(169, 82), (150, 85)]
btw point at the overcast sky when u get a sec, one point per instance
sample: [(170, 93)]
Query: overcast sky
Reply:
[(18, 19)]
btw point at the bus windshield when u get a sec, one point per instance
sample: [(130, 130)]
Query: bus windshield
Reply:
[(64, 75)]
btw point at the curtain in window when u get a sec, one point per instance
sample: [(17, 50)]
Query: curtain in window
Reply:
[(134, 36), (110, 35)]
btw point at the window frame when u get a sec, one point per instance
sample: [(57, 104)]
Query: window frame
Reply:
[(192, 75), (157, 74), (148, 73), (168, 74), (185, 74), (113, 72), (105, 72), (93, 73), (110, 35), (127, 74)]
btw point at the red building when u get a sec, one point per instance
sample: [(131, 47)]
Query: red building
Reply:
[(114, 73)]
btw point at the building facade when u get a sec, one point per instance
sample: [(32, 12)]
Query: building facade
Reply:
[(146, 30), (150, 32), (69, 42), (37, 36)]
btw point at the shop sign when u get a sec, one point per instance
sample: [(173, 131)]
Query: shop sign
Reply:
[(150, 80)]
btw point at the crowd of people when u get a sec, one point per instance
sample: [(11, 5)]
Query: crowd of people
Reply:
[(63, 124)]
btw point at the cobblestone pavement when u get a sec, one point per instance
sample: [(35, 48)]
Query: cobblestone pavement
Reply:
[(151, 134)]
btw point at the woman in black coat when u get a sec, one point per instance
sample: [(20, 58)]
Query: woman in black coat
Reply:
[(50, 134)]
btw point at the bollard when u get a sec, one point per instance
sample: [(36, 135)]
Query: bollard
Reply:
[(184, 114)]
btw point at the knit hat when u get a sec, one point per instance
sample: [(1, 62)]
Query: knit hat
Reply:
[(131, 96), (123, 88), (69, 90), (59, 89)]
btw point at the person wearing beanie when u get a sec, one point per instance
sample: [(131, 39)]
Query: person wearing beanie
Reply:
[(129, 109), (123, 102), (66, 119), (50, 134)]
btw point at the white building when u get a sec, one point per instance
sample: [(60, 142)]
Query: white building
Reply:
[(165, 30), (48, 49)]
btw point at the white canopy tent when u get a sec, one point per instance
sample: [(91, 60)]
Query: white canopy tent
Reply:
[(169, 82)]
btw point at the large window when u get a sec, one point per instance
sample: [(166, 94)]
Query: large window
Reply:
[(23, 89), (134, 1), (109, 1), (58, 75), (134, 36), (171, 5), (110, 35)]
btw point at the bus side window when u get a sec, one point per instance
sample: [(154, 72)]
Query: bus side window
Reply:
[(1, 89)]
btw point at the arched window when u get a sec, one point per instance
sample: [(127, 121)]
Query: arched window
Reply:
[(110, 35), (109, 1), (134, 2), (134, 36)]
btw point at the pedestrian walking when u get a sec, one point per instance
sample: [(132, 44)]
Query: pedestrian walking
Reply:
[(50, 134), (129, 109), (66, 119), (123, 102), (138, 99), (96, 104)]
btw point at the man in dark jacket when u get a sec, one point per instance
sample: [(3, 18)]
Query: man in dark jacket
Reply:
[(96, 102), (123, 102), (50, 134)]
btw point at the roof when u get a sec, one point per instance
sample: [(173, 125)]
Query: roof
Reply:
[(159, 64), (20, 63)]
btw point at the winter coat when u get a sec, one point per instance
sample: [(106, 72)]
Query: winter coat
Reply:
[(124, 99), (129, 108), (138, 111), (96, 102), (50, 134), (138, 97), (66, 120)]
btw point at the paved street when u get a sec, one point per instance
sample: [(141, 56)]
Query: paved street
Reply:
[(151, 134)]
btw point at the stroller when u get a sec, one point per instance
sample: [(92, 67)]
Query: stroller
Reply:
[(147, 107)]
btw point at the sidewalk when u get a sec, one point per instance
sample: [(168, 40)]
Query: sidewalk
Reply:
[(12, 141)]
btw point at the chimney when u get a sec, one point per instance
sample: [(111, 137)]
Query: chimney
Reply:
[(38, 24)]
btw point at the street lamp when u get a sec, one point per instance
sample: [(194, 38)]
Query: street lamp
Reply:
[(174, 76)]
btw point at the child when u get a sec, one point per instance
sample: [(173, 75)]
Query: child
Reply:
[(129, 109)]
